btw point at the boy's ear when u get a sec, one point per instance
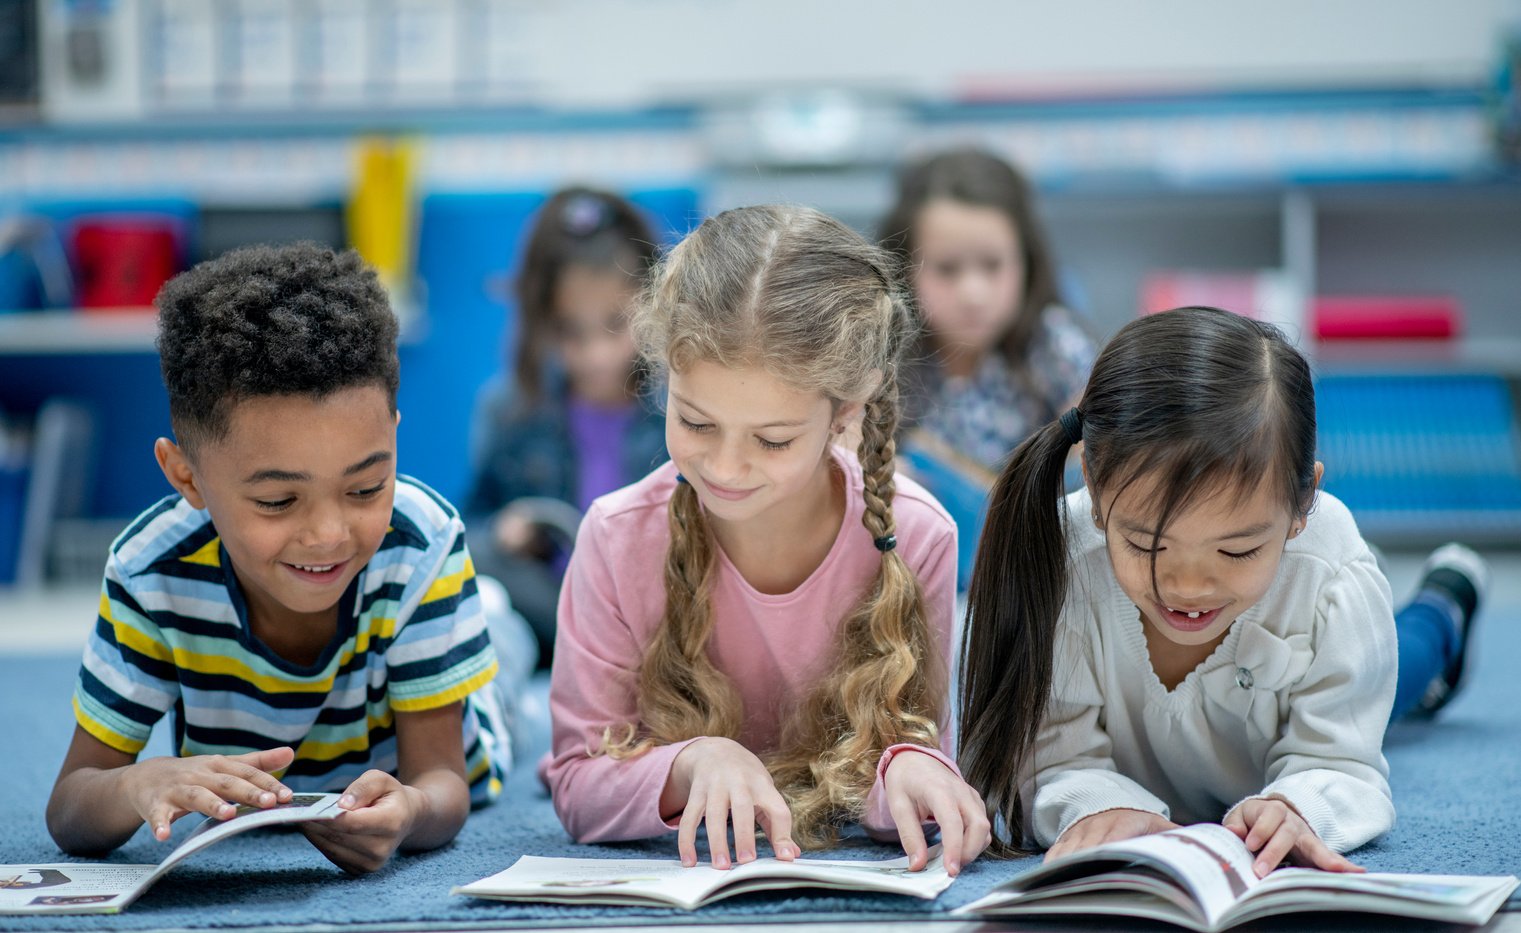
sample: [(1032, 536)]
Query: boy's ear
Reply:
[(176, 466)]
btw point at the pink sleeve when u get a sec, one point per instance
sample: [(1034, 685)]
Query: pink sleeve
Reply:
[(594, 685), (937, 575)]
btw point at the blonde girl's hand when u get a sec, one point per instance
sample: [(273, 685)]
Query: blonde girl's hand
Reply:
[(1108, 826), (1273, 829), (920, 787), (713, 780)]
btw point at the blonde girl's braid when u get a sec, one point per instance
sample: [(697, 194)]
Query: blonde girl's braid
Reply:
[(888, 681)]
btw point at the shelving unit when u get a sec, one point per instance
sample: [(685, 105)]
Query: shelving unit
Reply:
[(51, 333)]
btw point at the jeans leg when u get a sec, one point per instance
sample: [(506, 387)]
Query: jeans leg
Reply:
[(1427, 630)]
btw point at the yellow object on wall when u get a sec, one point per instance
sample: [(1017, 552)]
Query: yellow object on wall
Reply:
[(380, 216)]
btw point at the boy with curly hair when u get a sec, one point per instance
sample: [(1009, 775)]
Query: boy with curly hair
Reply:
[(308, 617)]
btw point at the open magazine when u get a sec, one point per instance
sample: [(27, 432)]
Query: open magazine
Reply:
[(107, 888), (666, 883), (1201, 877)]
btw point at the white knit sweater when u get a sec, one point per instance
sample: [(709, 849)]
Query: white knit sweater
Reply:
[(1292, 703)]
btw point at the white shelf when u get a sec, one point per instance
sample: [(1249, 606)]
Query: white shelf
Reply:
[(123, 330), (37, 333), (1498, 355)]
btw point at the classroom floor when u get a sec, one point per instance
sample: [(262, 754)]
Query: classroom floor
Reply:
[(54, 622)]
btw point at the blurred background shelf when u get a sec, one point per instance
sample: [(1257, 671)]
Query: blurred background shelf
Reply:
[(27, 333)]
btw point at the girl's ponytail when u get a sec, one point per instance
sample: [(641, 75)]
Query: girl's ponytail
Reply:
[(1019, 582)]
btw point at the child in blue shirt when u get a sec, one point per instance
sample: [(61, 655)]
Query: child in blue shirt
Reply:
[(308, 617)]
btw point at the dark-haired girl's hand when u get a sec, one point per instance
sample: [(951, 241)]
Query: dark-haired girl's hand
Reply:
[(713, 780), (921, 788), (1273, 829), (1108, 826)]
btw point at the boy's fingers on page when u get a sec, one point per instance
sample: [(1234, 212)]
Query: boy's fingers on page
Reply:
[(197, 799), (1235, 822), (717, 820), (234, 789), (744, 829), (1276, 850), (159, 817), (261, 779)]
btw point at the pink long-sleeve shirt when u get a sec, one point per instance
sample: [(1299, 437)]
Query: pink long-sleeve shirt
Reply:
[(773, 648)]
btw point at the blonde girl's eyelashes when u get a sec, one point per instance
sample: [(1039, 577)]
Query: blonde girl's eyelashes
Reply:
[(696, 428)]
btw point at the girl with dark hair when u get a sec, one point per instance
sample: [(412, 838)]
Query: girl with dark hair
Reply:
[(571, 424), (1000, 355), (1199, 634)]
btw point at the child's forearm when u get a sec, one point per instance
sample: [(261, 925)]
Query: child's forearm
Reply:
[(90, 811), (440, 802)]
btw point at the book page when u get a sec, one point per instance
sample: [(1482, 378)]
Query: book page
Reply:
[(302, 807), (70, 888), (596, 880), (1452, 898), (651, 881), (102, 887), (1206, 860)]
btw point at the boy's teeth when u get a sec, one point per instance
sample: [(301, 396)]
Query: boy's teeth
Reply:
[(312, 569), (1194, 615)]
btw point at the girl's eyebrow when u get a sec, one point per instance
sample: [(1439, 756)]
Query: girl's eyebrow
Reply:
[(770, 424), (1251, 531)]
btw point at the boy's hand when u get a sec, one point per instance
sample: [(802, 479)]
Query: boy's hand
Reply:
[(920, 787), (1108, 826), (162, 790), (714, 777), (1275, 831), (380, 815)]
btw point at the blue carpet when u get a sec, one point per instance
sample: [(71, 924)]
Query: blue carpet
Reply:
[(1455, 783)]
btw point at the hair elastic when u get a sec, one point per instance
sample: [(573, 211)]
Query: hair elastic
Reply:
[(682, 480), (886, 543), (1072, 425), (584, 215)]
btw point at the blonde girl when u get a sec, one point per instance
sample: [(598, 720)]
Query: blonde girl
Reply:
[(758, 633)]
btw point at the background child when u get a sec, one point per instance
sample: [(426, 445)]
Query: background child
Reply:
[(1184, 640), (309, 617), (762, 638), (570, 425), (1000, 354)]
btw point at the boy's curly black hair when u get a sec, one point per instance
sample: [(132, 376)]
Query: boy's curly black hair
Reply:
[(271, 320)]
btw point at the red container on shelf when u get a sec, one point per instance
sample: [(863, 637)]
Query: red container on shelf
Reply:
[(1387, 317), (121, 263)]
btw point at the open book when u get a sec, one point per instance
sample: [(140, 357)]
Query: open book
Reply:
[(107, 888), (1200, 877), (663, 883)]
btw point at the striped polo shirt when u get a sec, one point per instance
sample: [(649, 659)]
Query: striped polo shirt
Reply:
[(173, 637)]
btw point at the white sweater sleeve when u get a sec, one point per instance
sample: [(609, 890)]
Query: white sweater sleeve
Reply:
[(1074, 773), (1328, 761)]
